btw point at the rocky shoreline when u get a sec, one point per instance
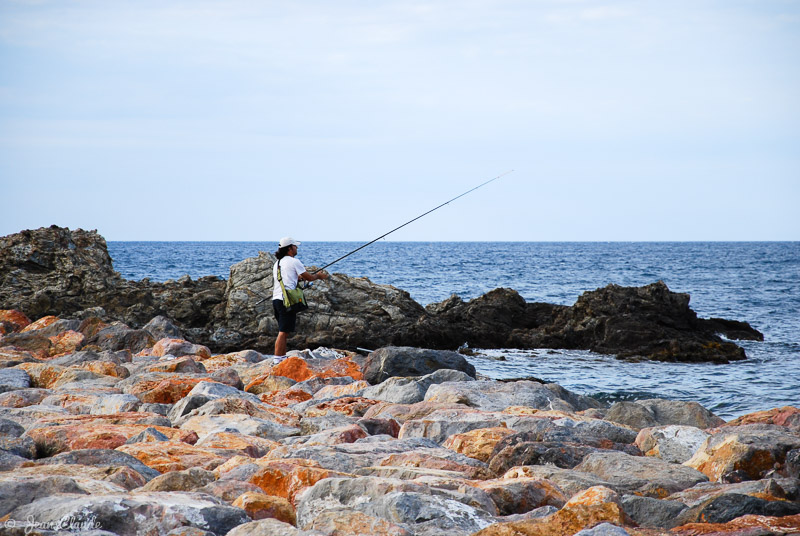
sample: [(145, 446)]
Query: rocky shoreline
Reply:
[(157, 435), (69, 274), (139, 408)]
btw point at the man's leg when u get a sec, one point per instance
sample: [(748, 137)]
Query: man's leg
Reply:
[(280, 343)]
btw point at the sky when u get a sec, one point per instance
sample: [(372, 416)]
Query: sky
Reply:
[(338, 121)]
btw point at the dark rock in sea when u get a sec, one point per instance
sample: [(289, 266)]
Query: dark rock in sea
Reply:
[(649, 321), (393, 361), (55, 271)]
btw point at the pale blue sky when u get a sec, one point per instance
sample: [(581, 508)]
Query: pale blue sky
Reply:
[(251, 120)]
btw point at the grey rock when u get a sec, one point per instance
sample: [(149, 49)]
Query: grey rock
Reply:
[(266, 527), (13, 379), (19, 446), (188, 480), (315, 385), (496, 396), (228, 376), (673, 443), (148, 435), (16, 493), (651, 512), (10, 461), (403, 361), (185, 406), (140, 513), (86, 356), (119, 403), (429, 514), (159, 409), (214, 390), (349, 457), (101, 458), (641, 475), (729, 506), (569, 481), (681, 413), (412, 390), (603, 529), (161, 327), (9, 428)]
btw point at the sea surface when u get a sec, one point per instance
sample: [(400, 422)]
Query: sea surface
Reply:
[(756, 282)]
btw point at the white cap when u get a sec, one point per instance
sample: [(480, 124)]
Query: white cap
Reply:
[(288, 241)]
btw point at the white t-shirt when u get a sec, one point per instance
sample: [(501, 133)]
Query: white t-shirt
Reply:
[(291, 269)]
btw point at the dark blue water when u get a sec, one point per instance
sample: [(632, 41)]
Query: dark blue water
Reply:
[(755, 282)]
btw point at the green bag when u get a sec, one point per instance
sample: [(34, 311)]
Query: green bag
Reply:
[(293, 299)]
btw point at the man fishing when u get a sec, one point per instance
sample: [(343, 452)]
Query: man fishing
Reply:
[(291, 272)]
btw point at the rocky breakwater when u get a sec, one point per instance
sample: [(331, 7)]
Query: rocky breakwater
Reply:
[(55, 271), (168, 438)]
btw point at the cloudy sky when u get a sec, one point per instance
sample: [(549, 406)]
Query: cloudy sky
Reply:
[(251, 120)]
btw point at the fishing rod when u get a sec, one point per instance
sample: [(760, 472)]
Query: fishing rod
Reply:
[(411, 221)]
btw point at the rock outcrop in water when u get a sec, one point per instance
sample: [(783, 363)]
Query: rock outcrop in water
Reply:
[(55, 271)]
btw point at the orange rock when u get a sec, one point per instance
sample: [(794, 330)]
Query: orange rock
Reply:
[(477, 444), (65, 342), (55, 439), (267, 383), (254, 447), (336, 391), (288, 477), (786, 416), (262, 506), (42, 375), (220, 361), (91, 326), (293, 368), (106, 368), (166, 391), (340, 367), (353, 406), (588, 508), (39, 324), (749, 524), (285, 397), (168, 456), (16, 320), (743, 453), (179, 347)]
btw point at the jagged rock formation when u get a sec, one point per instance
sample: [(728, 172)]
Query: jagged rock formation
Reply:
[(55, 271)]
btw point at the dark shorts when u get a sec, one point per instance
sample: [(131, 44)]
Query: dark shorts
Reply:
[(286, 321)]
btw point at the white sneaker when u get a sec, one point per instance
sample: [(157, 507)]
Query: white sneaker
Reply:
[(277, 359)]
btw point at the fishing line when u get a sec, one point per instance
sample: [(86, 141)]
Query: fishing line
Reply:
[(411, 221)]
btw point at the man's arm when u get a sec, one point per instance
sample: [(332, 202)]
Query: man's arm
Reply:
[(305, 276)]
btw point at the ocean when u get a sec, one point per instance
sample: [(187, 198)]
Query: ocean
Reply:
[(756, 282)]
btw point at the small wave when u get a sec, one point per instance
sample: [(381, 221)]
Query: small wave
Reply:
[(624, 396)]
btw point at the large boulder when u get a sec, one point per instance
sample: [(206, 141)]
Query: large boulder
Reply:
[(394, 361)]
